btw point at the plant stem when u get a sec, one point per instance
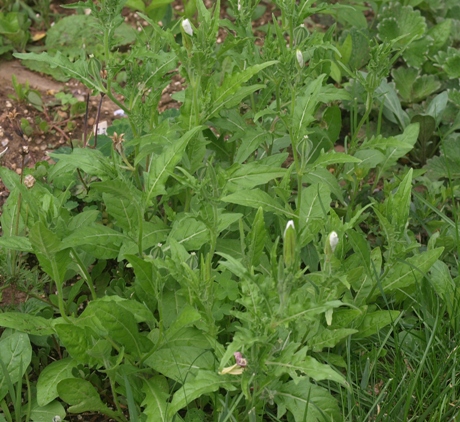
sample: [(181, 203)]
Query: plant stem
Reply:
[(84, 273)]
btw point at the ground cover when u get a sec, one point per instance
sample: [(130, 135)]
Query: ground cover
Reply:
[(277, 239)]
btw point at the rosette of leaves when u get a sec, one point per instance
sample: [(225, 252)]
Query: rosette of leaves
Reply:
[(449, 61), (402, 23), (412, 86)]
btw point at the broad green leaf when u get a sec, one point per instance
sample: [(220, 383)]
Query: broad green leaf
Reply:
[(46, 413), (146, 283), (307, 402), (161, 166), (373, 322), (256, 198), (124, 211), (54, 258), (183, 355), (440, 34), (400, 21), (118, 325), (329, 338), (305, 107), (97, 240), (330, 158), (77, 341), (316, 203), (26, 323), (82, 397), (50, 377), (83, 219), (392, 109), (250, 142), (156, 390), (310, 367), (89, 160), (204, 383), (444, 286), (15, 354), (256, 239), (230, 93), (16, 243), (248, 176), (398, 206), (412, 270), (323, 176), (79, 69), (190, 233)]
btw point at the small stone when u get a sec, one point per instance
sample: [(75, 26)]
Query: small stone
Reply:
[(18, 171), (5, 142), (8, 104), (43, 147)]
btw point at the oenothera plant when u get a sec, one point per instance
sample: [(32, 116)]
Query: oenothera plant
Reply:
[(235, 272)]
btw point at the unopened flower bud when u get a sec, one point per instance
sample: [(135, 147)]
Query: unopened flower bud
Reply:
[(333, 240), (289, 244), (331, 243), (186, 25), (299, 57)]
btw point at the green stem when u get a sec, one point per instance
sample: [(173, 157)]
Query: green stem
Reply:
[(84, 273)]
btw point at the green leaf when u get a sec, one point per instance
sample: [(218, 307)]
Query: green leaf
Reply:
[(91, 161), (184, 354), (82, 397), (386, 94), (50, 377), (307, 402), (248, 176), (52, 255), (400, 21), (26, 323), (405, 274), (15, 355), (79, 69), (316, 203), (16, 243), (323, 176), (46, 413), (190, 233), (230, 93), (373, 322), (155, 404), (256, 198), (398, 206), (77, 341), (118, 324), (161, 166), (97, 240), (204, 383), (124, 210), (329, 338), (256, 239), (305, 107)]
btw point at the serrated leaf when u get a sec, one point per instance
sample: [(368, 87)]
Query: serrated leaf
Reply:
[(248, 176), (230, 92), (256, 198), (405, 274), (100, 241), (204, 383), (49, 378), (82, 396), (79, 69), (190, 233), (307, 402), (161, 166), (156, 404)]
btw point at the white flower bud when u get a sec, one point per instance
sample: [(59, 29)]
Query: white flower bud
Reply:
[(290, 223), (299, 57), (333, 240), (29, 181), (186, 25)]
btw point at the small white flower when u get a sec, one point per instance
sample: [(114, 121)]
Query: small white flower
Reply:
[(239, 4), (333, 240), (290, 223), (186, 25), (299, 57)]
